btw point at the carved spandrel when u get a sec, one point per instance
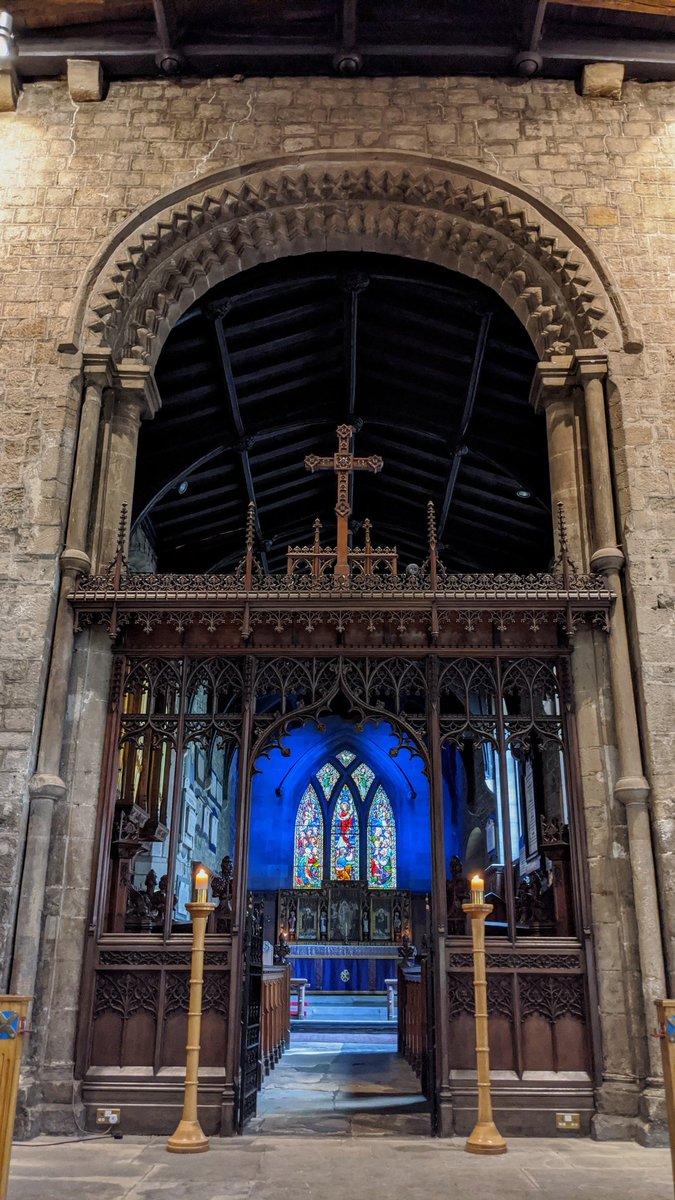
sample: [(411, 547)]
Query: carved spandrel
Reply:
[(126, 993)]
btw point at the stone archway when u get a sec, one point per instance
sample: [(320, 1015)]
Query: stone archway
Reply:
[(165, 257), (463, 218)]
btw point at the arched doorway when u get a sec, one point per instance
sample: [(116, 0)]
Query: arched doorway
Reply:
[(160, 261), (469, 664), (340, 871)]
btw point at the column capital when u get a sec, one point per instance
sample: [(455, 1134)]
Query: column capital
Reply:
[(137, 379), (554, 379), (632, 790), (75, 560), (97, 366), (590, 364), (50, 787), (608, 558)]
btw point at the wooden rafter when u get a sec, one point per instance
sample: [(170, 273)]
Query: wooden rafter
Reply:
[(657, 8)]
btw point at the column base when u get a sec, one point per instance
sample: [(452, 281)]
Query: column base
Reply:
[(445, 1117), (652, 1124), (189, 1138), (485, 1139), (611, 1127)]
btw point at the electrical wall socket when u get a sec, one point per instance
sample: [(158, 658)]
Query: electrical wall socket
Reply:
[(568, 1121), (108, 1116)]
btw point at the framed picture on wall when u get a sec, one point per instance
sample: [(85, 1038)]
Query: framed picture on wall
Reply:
[(308, 917), (380, 918), (345, 915)]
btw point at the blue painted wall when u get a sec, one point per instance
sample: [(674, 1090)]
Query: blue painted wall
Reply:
[(281, 780)]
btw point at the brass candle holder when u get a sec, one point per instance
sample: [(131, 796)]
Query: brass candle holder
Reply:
[(485, 1137), (189, 1137)]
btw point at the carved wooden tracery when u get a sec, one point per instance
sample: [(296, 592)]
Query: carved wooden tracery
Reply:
[(236, 662)]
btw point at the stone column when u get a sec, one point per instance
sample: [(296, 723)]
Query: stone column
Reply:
[(631, 787), (46, 785), (135, 396), (553, 391), (134, 384)]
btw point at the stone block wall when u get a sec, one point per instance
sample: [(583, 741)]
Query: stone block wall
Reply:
[(70, 173)]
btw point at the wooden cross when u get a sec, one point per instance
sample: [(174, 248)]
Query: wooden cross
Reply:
[(344, 463)]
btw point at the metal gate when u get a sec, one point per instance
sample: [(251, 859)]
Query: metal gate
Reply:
[(249, 1070)]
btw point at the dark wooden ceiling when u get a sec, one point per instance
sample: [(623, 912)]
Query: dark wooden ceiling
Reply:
[(371, 37), (433, 369)]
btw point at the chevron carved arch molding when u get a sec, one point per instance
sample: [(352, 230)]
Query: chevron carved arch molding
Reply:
[(450, 214)]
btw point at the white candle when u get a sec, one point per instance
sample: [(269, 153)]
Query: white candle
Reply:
[(477, 890)]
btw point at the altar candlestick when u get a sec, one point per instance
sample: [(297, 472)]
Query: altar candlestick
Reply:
[(485, 1137), (189, 1137), (202, 885)]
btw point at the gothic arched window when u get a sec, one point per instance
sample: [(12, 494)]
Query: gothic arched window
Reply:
[(344, 838), (308, 853), (381, 842)]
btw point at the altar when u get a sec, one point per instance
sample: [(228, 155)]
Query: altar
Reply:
[(336, 967), (343, 936)]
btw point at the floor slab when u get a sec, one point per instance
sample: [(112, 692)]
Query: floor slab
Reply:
[(283, 1167)]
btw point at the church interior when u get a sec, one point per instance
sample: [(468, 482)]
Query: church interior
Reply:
[(336, 523)]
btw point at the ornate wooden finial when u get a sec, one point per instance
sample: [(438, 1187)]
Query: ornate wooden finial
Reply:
[(122, 530), (250, 525), (563, 544), (367, 526), (432, 534), (431, 526), (250, 541), (120, 559), (317, 534)]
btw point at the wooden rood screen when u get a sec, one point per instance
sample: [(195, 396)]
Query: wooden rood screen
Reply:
[(473, 674)]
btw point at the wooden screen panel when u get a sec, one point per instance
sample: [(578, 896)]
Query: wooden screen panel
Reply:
[(572, 1045), (462, 1053), (125, 1018), (502, 1051), (537, 1044), (214, 1040), (174, 1037), (462, 1024), (215, 1004), (553, 1014), (106, 1049)]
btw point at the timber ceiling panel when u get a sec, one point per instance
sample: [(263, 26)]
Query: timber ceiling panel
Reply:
[(433, 369), (140, 38)]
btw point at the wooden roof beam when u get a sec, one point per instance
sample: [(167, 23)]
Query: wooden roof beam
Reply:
[(467, 413), (218, 313), (124, 54)]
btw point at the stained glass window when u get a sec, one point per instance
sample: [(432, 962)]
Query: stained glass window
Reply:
[(344, 855), (381, 842), (308, 854), (345, 757), (363, 777), (328, 777)]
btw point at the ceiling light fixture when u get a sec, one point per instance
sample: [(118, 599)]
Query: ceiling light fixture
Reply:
[(183, 487), (523, 494)]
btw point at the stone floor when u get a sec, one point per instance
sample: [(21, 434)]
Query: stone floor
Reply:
[(367, 1168), (337, 1117), (343, 1088)]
